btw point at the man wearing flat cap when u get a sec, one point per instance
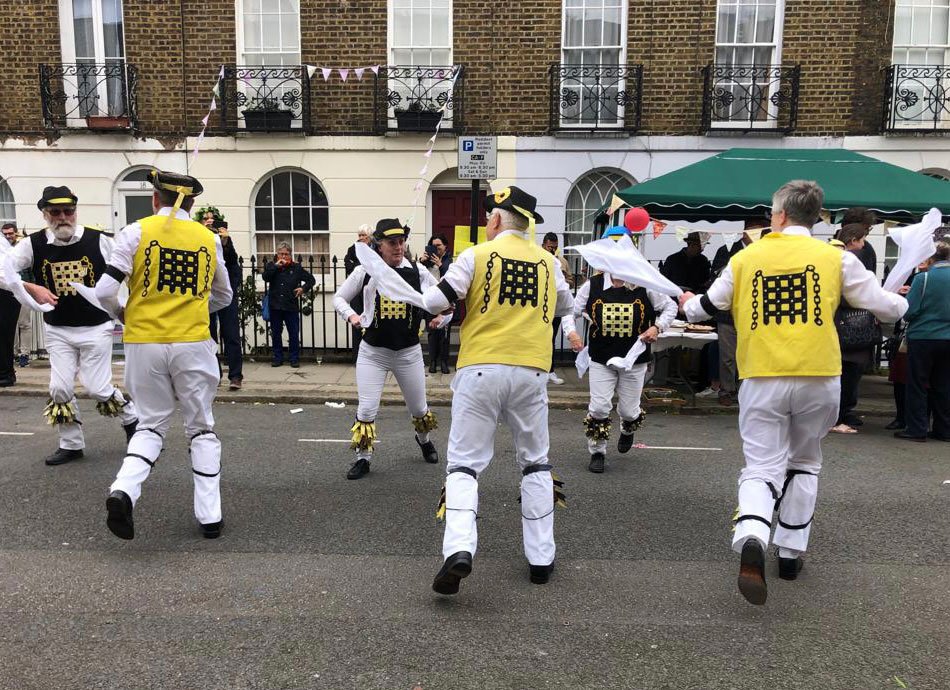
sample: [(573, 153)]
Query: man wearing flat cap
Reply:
[(176, 273), (78, 333), (390, 344), (512, 290)]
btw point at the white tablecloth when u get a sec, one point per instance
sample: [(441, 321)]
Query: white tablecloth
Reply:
[(670, 339)]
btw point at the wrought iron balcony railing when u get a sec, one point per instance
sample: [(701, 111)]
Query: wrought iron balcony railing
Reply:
[(269, 98), (596, 97), (917, 98), (414, 98), (89, 95), (750, 97)]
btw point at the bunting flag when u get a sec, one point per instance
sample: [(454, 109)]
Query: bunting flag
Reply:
[(326, 71), (658, 227), (311, 69), (215, 94), (615, 203), (358, 71), (344, 73)]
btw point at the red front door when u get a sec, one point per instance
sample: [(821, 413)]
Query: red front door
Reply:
[(451, 207)]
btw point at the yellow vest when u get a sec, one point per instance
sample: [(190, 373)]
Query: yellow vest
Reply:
[(509, 308), (786, 291), (170, 284)]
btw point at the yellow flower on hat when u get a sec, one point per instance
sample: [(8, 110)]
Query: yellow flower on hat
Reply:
[(502, 195)]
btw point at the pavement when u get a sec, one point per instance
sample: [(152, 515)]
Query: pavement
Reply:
[(319, 382), (319, 582)]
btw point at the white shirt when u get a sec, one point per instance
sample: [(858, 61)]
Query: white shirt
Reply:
[(663, 305), (353, 284), (858, 286), (127, 244), (462, 271), (21, 255)]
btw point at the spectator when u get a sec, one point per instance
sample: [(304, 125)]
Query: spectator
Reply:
[(9, 315), (350, 262), (437, 259), (858, 332), (928, 350), (227, 320), (288, 281), (23, 340), (688, 268), (550, 245), (866, 219)]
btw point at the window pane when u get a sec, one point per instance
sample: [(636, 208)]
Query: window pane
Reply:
[(593, 26), (252, 32), (440, 57), (137, 176), (300, 189), (765, 24), (440, 27), (317, 196), (270, 26), (301, 218), (575, 28), (282, 189), (262, 219), (938, 30), (420, 27), (112, 28), (83, 29), (902, 26), (612, 27), (281, 218), (265, 196), (289, 6), (321, 218), (744, 55), (290, 32), (921, 25), (402, 33), (745, 29)]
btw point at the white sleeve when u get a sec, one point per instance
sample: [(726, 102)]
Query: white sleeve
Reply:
[(124, 246), (717, 297), (580, 299), (347, 292), (429, 281), (221, 294), (19, 258), (106, 245), (565, 301), (665, 309), (862, 291), (107, 292), (455, 282)]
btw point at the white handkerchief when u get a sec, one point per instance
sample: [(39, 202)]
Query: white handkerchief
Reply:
[(623, 261), (583, 361), (626, 363), (388, 282), (15, 283), (916, 244)]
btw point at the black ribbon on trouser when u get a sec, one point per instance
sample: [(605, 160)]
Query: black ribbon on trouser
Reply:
[(441, 509), (789, 475)]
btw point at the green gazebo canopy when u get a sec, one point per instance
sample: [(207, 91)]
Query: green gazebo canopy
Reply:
[(739, 183)]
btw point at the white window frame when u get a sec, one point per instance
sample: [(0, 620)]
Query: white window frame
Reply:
[(944, 120), (310, 233), (67, 42), (622, 61), (391, 48), (10, 200), (239, 38), (572, 236), (778, 34)]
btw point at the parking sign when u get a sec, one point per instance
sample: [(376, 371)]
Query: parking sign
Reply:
[(478, 158)]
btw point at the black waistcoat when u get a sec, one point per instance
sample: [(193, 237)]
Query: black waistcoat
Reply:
[(395, 325), (618, 317), (54, 267)]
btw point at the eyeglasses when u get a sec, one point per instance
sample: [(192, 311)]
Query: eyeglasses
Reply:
[(56, 212)]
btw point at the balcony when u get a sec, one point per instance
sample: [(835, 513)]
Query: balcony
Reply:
[(745, 98), (596, 97), (916, 98), (87, 95), (414, 98), (268, 98)]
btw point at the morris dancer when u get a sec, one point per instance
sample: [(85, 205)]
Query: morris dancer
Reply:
[(390, 344), (619, 314), (176, 272), (783, 292), (78, 334), (512, 289)]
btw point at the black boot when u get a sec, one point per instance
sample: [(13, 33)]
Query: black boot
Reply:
[(625, 442), (62, 456), (540, 574), (445, 367), (789, 568), (429, 453), (359, 469), (432, 365), (119, 521), (130, 430), (752, 572), (456, 567), (596, 463), (211, 530)]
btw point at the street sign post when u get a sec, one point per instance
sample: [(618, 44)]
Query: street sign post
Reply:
[(478, 160)]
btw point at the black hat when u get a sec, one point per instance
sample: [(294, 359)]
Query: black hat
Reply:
[(185, 185), (516, 200), (388, 228), (57, 196)]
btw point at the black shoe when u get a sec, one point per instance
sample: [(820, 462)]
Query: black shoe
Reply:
[(934, 435), (540, 574), (624, 443), (445, 368), (62, 456), (6, 383), (789, 568), (360, 468), (130, 430), (752, 572), (276, 363), (119, 522), (212, 530), (23, 360), (903, 435), (456, 567), (432, 367), (596, 463), (896, 424), (429, 453), (295, 365)]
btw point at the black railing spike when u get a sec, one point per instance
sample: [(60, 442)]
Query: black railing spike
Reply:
[(595, 97), (747, 97)]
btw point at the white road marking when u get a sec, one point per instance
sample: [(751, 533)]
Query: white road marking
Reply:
[(330, 440), (16, 433), (676, 448)]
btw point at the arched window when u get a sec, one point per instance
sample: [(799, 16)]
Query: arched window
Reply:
[(291, 206), (133, 197), (7, 207), (588, 195)]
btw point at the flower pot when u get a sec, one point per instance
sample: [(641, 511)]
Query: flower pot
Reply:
[(268, 120), (420, 121), (107, 122)]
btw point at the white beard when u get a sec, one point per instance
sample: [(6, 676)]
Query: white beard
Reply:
[(63, 233)]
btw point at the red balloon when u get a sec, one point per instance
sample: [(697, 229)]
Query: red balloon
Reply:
[(636, 219)]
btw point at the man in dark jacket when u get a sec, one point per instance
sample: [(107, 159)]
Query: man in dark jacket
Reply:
[(688, 268), (287, 281), (227, 321)]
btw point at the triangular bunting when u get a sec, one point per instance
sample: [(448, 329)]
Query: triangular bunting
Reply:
[(432, 138), (359, 72), (658, 227), (425, 169), (326, 73), (214, 105), (204, 120), (310, 71), (427, 154), (615, 203), (375, 69), (343, 73)]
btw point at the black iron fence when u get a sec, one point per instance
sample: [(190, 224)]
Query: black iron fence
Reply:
[(916, 98), (750, 97), (272, 98), (596, 97), (96, 96), (413, 98)]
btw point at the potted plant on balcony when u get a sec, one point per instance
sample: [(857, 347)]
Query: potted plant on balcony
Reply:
[(266, 115), (418, 116), (107, 122)]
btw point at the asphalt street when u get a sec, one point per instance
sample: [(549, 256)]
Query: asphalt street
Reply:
[(320, 582)]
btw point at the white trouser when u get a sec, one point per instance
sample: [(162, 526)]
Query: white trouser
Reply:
[(782, 421), (86, 352), (483, 395), (373, 364), (604, 381), (155, 374)]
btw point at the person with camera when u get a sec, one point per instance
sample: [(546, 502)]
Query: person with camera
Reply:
[(287, 280), (437, 259)]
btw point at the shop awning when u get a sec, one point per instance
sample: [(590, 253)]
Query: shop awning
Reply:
[(739, 183)]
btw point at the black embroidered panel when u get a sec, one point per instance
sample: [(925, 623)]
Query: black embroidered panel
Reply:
[(520, 282), (785, 297), (59, 274), (177, 269)]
